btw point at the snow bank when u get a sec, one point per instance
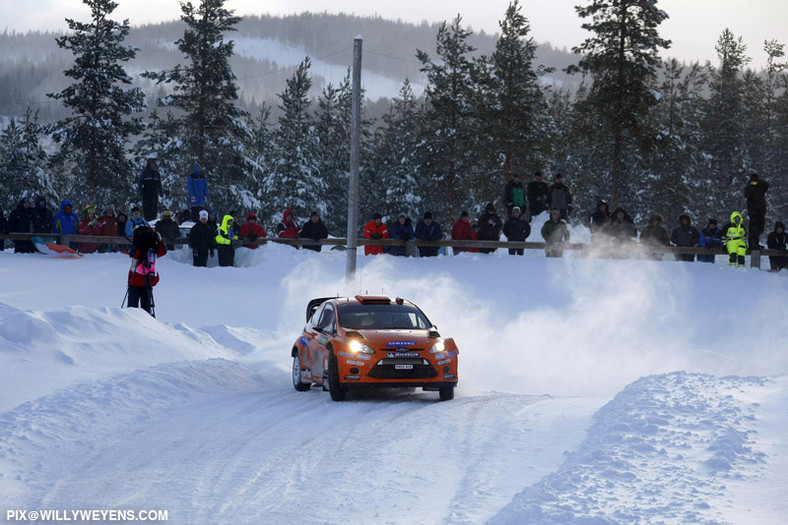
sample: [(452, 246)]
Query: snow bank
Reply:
[(663, 450)]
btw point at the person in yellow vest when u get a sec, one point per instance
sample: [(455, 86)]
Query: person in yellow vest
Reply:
[(735, 238), (225, 239)]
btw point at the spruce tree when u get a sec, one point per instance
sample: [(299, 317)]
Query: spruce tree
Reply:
[(101, 100), (451, 127), (676, 181), (332, 130), (295, 182), (394, 186), (262, 156), (211, 125), (23, 160), (724, 122), (161, 136), (776, 156), (511, 101), (622, 59)]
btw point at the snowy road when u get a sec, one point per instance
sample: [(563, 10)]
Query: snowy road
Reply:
[(210, 441)]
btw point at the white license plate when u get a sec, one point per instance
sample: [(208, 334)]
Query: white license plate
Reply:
[(403, 367)]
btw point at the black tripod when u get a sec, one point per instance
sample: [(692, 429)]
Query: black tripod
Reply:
[(149, 291)]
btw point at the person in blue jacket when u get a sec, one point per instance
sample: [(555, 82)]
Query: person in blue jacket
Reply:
[(135, 221), (198, 190), (428, 230), (403, 231), (66, 222), (710, 237)]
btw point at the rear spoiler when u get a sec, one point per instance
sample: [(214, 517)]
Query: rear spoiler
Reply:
[(313, 305)]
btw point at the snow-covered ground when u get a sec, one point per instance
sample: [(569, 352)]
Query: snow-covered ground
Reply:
[(591, 391)]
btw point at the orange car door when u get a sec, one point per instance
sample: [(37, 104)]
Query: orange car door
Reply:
[(325, 329)]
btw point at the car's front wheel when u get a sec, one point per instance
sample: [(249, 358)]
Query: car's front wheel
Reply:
[(446, 393), (335, 388), (297, 383)]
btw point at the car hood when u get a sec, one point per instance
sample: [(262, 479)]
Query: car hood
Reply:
[(398, 339)]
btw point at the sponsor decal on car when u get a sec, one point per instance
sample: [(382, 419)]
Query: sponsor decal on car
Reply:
[(403, 354), (393, 344), (346, 354), (365, 357), (440, 356), (454, 352), (443, 362), (303, 341), (449, 376), (355, 363), (352, 378)]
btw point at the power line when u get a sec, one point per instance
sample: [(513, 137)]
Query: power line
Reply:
[(290, 68), (392, 57)]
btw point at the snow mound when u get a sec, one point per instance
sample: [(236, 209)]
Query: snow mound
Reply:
[(44, 351), (663, 450), (87, 417)]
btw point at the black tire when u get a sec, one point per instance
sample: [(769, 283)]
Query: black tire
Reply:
[(335, 388), (446, 393), (297, 383)]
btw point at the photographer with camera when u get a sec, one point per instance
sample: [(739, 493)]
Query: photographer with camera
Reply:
[(143, 276)]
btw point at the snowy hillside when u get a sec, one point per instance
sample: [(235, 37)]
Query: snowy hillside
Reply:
[(590, 391)]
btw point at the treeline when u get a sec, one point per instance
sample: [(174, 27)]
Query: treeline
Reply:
[(653, 137)]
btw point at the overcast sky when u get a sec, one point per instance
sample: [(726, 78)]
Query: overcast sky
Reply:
[(693, 26)]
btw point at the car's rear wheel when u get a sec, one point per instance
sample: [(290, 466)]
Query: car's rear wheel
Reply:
[(446, 393), (335, 388), (297, 383)]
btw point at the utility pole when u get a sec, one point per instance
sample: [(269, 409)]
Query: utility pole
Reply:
[(355, 136)]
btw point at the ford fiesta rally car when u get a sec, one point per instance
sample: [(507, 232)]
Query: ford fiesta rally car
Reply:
[(372, 341)]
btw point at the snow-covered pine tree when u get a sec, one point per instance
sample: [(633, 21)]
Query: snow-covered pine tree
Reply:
[(676, 179), (295, 181), (622, 58), (23, 160), (392, 186), (93, 138), (161, 136), (261, 153), (723, 125), (777, 128), (575, 153), (511, 104), (332, 129), (450, 130), (212, 127)]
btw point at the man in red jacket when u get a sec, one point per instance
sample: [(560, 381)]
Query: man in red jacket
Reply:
[(462, 231), (251, 231), (375, 229), (142, 274)]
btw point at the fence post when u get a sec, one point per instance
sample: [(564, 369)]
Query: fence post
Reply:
[(755, 259)]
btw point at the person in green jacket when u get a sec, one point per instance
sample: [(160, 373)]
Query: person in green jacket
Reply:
[(555, 234), (225, 239), (735, 238)]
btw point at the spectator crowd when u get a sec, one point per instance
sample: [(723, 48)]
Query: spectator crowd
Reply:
[(612, 234)]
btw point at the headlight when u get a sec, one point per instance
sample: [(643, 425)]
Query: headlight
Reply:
[(357, 347), (438, 347)]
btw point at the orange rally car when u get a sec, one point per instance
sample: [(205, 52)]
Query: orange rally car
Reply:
[(372, 340)]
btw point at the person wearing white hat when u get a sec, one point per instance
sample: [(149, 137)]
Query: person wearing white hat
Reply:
[(201, 240)]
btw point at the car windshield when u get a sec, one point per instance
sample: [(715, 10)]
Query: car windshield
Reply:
[(382, 317)]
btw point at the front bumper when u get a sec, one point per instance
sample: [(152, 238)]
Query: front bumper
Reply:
[(397, 371)]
